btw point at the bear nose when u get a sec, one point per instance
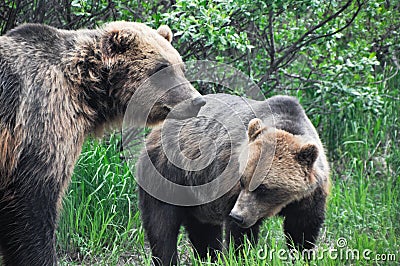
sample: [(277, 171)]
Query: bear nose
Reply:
[(236, 218), (199, 101)]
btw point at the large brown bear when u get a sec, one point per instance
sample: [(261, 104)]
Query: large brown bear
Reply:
[(279, 168), (56, 87)]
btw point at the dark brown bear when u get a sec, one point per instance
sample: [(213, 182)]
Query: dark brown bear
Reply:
[(285, 161), (56, 87)]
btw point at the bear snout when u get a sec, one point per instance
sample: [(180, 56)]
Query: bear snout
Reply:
[(236, 218), (199, 101), (187, 109)]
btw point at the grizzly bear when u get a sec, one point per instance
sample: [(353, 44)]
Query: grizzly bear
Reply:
[(56, 87), (276, 169)]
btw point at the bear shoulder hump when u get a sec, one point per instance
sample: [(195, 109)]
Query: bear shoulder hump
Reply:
[(285, 103), (31, 31)]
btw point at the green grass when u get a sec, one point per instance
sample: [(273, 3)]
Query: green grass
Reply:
[(100, 224)]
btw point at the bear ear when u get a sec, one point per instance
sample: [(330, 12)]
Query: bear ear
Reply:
[(307, 155), (255, 128), (165, 32), (116, 42)]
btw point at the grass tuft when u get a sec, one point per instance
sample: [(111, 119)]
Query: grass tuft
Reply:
[(100, 224)]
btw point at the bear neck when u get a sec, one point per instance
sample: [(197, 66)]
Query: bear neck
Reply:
[(87, 76)]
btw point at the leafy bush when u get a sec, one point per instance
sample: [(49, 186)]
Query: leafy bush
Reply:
[(340, 58)]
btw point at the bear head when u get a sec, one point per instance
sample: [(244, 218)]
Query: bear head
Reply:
[(277, 169), (133, 64), (135, 52)]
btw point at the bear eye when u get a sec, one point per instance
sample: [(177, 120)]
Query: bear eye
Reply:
[(262, 189), (160, 67), (272, 195)]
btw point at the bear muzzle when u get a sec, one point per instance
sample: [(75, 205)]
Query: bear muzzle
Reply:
[(199, 102), (236, 218), (187, 109)]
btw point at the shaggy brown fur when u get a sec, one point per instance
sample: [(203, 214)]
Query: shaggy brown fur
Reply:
[(294, 185), (56, 87), (290, 176)]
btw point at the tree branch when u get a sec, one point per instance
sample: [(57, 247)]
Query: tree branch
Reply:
[(271, 37), (302, 41)]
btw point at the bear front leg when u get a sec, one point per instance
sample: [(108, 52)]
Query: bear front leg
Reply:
[(303, 220), (204, 237), (237, 234), (161, 222), (28, 216)]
